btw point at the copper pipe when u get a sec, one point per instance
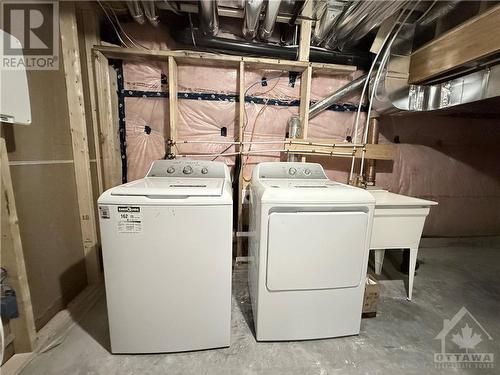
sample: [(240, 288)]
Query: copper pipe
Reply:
[(373, 135)]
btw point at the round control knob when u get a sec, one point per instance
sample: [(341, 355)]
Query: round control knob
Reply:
[(204, 170), (170, 170), (187, 170), (307, 172), (292, 171)]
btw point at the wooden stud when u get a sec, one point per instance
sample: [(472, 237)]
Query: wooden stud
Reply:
[(78, 128), (12, 258), (172, 98), (475, 39), (221, 60), (89, 20), (305, 32), (108, 127), (241, 126), (305, 99)]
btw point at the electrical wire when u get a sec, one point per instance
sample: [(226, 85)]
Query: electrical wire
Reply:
[(113, 25), (131, 39), (380, 69)]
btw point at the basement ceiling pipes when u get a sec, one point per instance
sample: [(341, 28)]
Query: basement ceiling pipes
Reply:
[(150, 12), (267, 26), (327, 19), (142, 10), (209, 17), (341, 93), (136, 12), (358, 19), (252, 15)]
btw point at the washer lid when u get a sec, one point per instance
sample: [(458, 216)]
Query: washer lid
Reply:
[(168, 187)]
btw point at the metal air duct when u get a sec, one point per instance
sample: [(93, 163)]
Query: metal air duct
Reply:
[(136, 12), (325, 24), (344, 91), (209, 16), (267, 26), (252, 15), (150, 12)]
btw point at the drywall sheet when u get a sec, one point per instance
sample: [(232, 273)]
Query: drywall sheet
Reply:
[(46, 198)]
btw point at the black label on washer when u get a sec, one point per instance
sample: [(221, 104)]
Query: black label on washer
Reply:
[(129, 209)]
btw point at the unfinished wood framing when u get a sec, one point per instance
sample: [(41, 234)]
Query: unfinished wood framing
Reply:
[(172, 99), (471, 41), (305, 32), (78, 129), (305, 101), (107, 128), (88, 18), (108, 135), (241, 127), (220, 60), (22, 329)]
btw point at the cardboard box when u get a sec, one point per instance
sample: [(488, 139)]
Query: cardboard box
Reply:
[(370, 300)]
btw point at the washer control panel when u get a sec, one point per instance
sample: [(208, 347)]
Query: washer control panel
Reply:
[(292, 170), (187, 168)]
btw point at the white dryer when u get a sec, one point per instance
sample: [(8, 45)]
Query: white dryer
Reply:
[(167, 251), (308, 254)]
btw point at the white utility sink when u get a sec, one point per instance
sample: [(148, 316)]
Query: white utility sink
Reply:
[(398, 223)]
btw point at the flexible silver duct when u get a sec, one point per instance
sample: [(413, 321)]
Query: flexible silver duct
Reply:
[(267, 26), (330, 14), (293, 132), (209, 17), (438, 11), (394, 94), (344, 91), (358, 19), (136, 12), (252, 15), (150, 12)]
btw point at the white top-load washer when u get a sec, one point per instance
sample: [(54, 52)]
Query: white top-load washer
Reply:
[(167, 251), (308, 255)]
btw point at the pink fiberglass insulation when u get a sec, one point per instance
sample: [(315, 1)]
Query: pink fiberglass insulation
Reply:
[(145, 120), (447, 159)]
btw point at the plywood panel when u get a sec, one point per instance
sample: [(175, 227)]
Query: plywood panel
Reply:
[(474, 39)]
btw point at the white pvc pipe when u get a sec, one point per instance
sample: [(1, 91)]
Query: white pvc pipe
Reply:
[(376, 82), (358, 113)]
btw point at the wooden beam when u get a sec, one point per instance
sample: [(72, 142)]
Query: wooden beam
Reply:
[(473, 40), (376, 151), (78, 128), (12, 258), (220, 60), (241, 126), (305, 32), (108, 127), (172, 99), (88, 18), (305, 101)]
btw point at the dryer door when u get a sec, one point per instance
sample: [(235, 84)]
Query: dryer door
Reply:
[(316, 250)]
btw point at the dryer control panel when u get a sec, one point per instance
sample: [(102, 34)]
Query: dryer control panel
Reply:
[(292, 170), (187, 168)]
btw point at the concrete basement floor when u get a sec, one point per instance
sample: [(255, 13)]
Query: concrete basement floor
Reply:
[(401, 339)]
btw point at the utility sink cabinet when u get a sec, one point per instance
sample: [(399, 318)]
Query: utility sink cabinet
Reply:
[(397, 224)]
